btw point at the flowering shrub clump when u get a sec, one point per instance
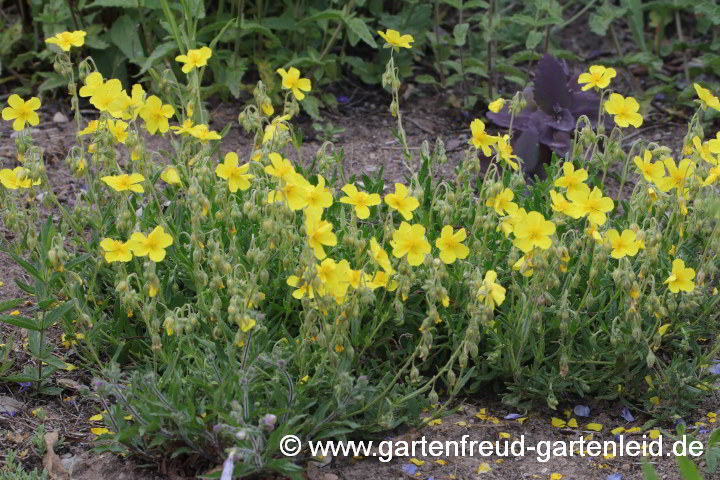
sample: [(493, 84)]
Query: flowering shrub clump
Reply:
[(225, 299)]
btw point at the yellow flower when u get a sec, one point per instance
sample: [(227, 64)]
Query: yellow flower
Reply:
[(156, 115), (319, 234), (590, 204), (624, 110), (496, 105), (652, 194), (362, 201), (106, 94), (237, 177), (304, 289), (184, 129), (116, 251), (410, 240), (118, 130), (382, 280), (524, 265), (480, 138), (504, 150), (93, 82), (280, 167), (533, 231), (508, 223), (195, 58), (622, 245), (277, 123), (65, 40), (291, 80), (559, 202), (247, 323), (572, 179), (121, 183), (677, 175), (598, 77), (652, 172), (502, 202), (335, 276), (714, 174), (380, 256), (17, 178), (356, 278), (91, 127), (705, 150), (492, 293), (706, 97), (450, 245), (21, 111), (401, 202), (296, 191), (318, 197), (170, 176), (153, 245), (126, 106), (204, 134), (393, 39), (681, 277), (267, 108)]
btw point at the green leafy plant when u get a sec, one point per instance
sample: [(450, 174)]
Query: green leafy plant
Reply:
[(227, 299)]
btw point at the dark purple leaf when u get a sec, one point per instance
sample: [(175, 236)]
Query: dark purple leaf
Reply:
[(527, 147), (551, 91)]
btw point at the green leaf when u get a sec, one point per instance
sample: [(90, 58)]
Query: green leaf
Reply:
[(360, 28), (533, 39), (77, 261), (18, 321), (649, 472), (426, 79), (57, 313), (460, 33), (124, 35), (113, 3), (329, 14), (312, 106), (687, 469), (10, 304), (714, 438), (601, 19), (636, 21), (160, 52)]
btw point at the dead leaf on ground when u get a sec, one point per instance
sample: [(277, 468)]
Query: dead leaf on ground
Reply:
[(71, 384), (51, 461)]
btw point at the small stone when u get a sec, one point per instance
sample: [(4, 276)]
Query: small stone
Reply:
[(60, 117)]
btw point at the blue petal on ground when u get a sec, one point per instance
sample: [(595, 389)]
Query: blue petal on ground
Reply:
[(512, 416), (409, 468), (627, 415)]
